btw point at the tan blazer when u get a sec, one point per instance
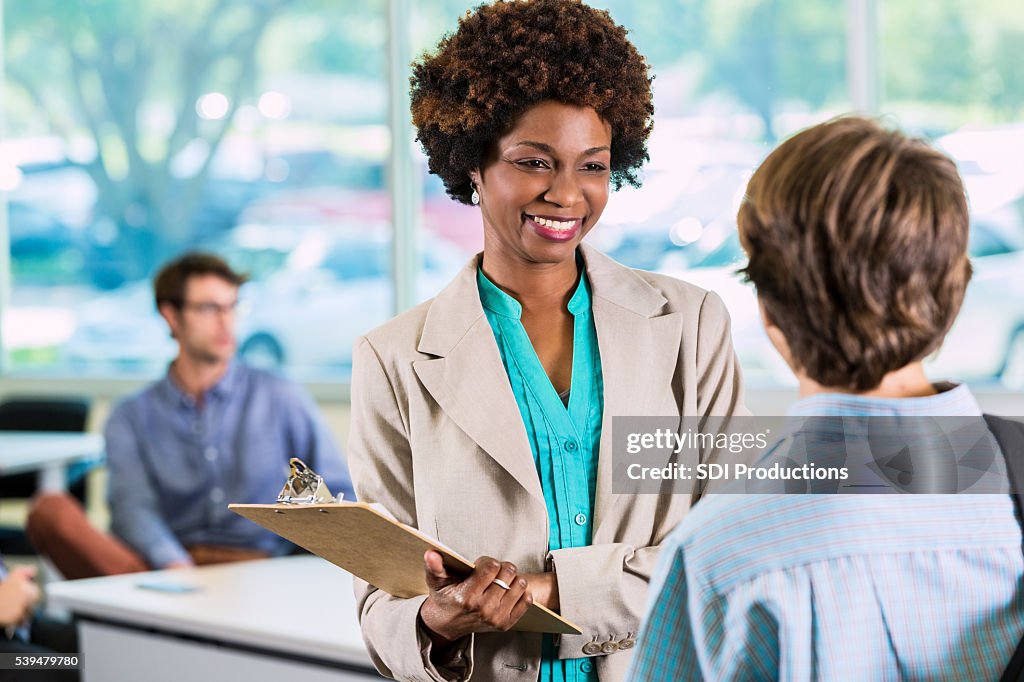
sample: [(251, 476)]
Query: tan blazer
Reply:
[(437, 438)]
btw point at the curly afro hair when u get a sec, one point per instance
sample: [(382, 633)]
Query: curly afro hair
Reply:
[(507, 56)]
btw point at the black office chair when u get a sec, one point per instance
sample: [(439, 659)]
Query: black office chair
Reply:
[(68, 414)]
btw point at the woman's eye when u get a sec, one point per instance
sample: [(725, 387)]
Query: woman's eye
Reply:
[(595, 167), (532, 163)]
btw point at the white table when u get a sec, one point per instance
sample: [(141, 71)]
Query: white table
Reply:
[(47, 453), (292, 618)]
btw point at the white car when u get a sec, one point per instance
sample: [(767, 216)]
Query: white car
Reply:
[(314, 291), (987, 339), (985, 343), (119, 331), (335, 286)]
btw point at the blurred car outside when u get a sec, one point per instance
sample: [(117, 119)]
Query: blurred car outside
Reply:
[(119, 332), (335, 285), (683, 223), (442, 216), (986, 343), (302, 211), (49, 202), (686, 205), (314, 289)]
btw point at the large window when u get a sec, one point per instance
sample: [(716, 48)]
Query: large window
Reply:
[(259, 130), (952, 71), (135, 131), (732, 78)]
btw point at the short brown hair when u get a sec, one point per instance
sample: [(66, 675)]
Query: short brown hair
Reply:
[(857, 240), (506, 57), (170, 282)]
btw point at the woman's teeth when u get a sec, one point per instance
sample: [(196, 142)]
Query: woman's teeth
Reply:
[(554, 224)]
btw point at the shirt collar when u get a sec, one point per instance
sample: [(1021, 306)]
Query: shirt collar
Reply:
[(496, 300), (500, 303), (580, 301), (169, 387), (952, 400), (227, 383)]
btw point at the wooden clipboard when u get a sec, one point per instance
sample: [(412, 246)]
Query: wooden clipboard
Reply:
[(383, 552)]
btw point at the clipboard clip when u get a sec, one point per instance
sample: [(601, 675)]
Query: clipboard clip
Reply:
[(305, 486)]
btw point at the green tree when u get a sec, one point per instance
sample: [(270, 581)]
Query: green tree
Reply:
[(766, 52), (346, 37), (663, 30), (1007, 61), (103, 67), (929, 52)]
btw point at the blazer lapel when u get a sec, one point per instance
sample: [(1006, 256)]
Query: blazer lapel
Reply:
[(639, 345), (638, 342), (468, 381)]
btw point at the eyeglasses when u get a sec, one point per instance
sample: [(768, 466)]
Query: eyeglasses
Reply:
[(210, 309)]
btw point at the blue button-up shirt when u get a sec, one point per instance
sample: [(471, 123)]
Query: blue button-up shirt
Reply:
[(175, 465), (839, 587), (564, 438)]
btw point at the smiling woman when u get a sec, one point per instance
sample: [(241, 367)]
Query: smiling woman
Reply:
[(543, 186), (483, 415)]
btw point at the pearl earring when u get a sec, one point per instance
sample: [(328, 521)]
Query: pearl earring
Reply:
[(475, 197)]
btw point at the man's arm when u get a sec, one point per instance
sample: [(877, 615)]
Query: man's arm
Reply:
[(691, 633), (134, 509), (665, 647)]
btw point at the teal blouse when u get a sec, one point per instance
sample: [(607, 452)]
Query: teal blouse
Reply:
[(564, 437)]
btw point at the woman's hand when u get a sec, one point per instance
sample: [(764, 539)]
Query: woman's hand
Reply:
[(18, 594), (456, 607), (544, 588)]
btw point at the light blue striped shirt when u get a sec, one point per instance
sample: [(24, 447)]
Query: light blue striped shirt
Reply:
[(839, 587)]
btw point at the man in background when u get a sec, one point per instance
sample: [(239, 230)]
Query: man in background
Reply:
[(212, 431)]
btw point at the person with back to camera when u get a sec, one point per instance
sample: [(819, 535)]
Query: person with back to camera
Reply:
[(483, 416), (857, 242)]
